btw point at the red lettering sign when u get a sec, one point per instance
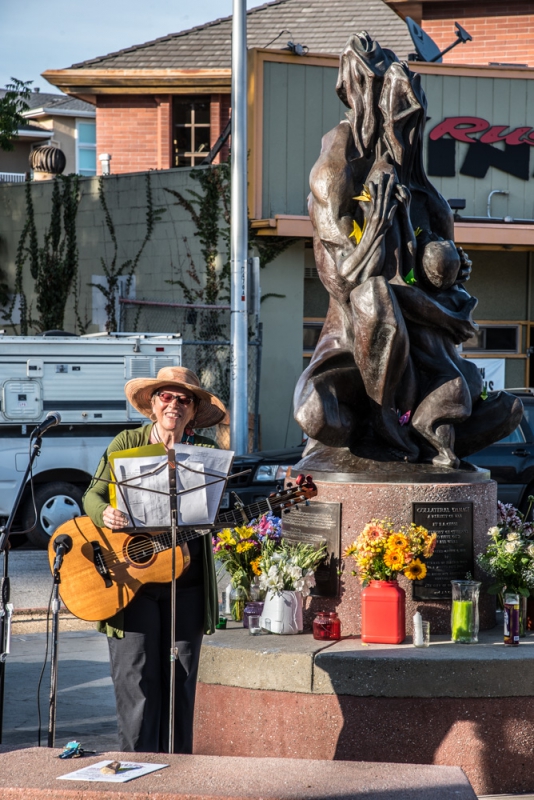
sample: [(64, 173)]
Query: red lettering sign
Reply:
[(463, 129)]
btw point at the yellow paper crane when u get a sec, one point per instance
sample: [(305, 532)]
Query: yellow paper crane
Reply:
[(357, 231)]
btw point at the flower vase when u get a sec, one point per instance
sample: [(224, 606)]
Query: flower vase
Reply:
[(383, 613), (284, 610), (238, 597)]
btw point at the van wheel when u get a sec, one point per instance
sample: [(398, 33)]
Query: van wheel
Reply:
[(56, 503)]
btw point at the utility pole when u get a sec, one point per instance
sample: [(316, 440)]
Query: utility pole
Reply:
[(239, 234)]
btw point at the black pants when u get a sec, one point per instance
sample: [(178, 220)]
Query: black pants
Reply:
[(140, 669)]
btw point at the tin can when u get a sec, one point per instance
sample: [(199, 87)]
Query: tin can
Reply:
[(511, 620)]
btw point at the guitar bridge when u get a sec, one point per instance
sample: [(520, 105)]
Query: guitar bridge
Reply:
[(98, 560)]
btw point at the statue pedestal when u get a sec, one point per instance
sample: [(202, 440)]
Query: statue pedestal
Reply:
[(388, 490)]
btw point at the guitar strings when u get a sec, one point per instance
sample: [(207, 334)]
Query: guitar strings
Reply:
[(165, 536)]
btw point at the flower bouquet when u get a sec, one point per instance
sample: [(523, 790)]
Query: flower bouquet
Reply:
[(380, 552), (509, 555), (238, 551), (287, 575)]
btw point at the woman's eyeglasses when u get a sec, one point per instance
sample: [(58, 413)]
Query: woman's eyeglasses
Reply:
[(168, 397)]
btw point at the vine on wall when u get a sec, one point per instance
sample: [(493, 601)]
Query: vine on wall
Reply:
[(113, 269), (54, 265)]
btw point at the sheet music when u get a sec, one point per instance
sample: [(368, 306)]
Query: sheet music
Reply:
[(200, 507), (197, 470), (147, 508)]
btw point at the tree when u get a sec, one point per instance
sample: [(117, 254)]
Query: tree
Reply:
[(12, 107)]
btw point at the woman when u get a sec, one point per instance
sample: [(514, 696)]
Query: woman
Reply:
[(139, 636)]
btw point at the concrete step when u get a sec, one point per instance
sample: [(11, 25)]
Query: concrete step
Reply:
[(33, 773)]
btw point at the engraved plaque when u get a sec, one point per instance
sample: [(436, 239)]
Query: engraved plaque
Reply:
[(316, 524), (453, 556)]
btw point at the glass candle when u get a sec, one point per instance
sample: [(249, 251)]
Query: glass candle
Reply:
[(424, 639), (321, 626), (254, 627), (464, 612)]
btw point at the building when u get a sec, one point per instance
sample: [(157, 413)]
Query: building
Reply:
[(502, 31), (66, 122), (164, 103)]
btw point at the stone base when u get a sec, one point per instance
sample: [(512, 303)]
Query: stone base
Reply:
[(362, 502), (33, 773)]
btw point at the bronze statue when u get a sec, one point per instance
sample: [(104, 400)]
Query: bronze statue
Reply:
[(386, 379)]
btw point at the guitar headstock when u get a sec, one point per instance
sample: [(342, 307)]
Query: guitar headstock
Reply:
[(304, 490)]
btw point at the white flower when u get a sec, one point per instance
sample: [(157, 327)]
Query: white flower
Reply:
[(511, 547), (495, 531), (530, 550), (513, 537)]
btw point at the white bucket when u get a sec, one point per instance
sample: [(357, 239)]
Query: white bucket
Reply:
[(284, 611)]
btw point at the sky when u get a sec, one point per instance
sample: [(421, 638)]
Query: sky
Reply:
[(35, 36)]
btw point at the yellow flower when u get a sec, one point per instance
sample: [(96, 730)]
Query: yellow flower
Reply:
[(365, 196), (225, 536), (357, 232), (350, 550), (374, 532), (244, 531), (394, 559), (398, 541), (416, 571), (256, 566), (430, 545), (242, 547)]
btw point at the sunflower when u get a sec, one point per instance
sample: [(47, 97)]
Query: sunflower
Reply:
[(416, 571), (394, 559), (256, 566), (398, 541)]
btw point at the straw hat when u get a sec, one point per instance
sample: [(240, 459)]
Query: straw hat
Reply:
[(139, 391)]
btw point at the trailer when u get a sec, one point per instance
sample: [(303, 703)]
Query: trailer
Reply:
[(82, 378)]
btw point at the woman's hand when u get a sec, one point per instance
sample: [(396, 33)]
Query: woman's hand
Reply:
[(114, 519)]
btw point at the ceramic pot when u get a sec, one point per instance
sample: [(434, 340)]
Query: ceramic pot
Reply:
[(284, 610)]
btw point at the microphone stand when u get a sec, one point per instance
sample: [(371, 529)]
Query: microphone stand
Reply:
[(6, 608), (62, 545)]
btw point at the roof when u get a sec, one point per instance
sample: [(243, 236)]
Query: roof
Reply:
[(322, 25), (51, 104)]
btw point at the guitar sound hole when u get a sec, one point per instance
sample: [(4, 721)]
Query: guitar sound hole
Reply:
[(140, 550)]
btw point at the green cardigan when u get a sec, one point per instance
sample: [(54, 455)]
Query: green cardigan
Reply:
[(96, 500)]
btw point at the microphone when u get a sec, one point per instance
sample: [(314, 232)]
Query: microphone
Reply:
[(52, 418), (62, 545)]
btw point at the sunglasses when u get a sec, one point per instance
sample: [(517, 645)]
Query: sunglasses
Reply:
[(168, 397)]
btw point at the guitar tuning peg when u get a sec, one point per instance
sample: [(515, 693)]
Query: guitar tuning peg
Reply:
[(286, 510), (306, 502), (289, 485)]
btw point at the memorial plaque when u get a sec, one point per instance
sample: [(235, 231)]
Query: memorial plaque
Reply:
[(453, 556), (316, 524)]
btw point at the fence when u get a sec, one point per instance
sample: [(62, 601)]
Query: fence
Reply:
[(206, 344)]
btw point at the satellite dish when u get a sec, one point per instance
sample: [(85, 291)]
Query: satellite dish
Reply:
[(425, 46)]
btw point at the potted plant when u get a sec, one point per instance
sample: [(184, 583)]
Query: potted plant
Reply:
[(287, 573), (509, 556), (380, 553)]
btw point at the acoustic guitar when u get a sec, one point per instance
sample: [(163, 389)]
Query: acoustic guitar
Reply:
[(103, 570)]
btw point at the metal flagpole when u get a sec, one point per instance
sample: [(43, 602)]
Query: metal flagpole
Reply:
[(239, 234)]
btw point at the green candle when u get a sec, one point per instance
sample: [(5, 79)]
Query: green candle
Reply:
[(462, 620)]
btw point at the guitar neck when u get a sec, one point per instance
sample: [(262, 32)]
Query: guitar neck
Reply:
[(163, 541)]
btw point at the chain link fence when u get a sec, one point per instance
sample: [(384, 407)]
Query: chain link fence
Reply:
[(205, 332)]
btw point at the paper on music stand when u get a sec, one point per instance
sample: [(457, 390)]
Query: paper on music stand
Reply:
[(127, 772), (200, 507), (145, 472)]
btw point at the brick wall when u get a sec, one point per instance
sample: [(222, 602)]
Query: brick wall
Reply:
[(219, 115), (502, 30), (136, 130)]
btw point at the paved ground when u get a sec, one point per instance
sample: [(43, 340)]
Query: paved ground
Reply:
[(85, 701), (31, 580)]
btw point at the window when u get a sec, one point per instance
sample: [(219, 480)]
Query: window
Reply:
[(495, 339), (311, 332), (191, 130), (85, 147)]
